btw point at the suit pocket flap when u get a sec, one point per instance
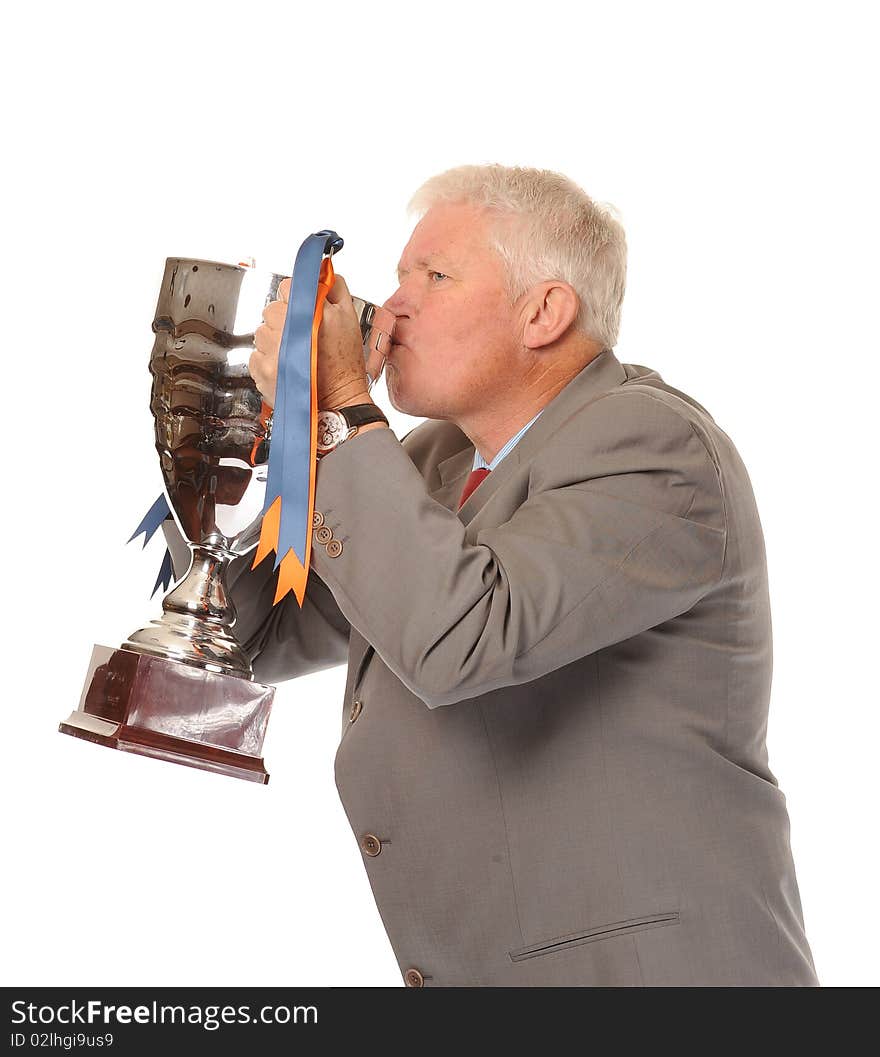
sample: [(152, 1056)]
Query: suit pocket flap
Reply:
[(600, 932)]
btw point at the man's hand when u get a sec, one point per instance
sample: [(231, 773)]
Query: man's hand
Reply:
[(342, 376)]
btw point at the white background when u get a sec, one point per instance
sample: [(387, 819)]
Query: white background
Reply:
[(736, 141)]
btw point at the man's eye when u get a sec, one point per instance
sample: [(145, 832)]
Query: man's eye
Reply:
[(441, 274)]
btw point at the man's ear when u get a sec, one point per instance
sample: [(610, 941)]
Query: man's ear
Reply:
[(549, 309)]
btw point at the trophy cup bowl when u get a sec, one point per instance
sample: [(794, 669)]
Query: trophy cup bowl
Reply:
[(182, 688)]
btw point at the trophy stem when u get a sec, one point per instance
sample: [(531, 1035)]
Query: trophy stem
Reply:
[(197, 619), (202, 592)]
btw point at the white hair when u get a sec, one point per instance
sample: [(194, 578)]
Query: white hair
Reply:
[(557, 232)]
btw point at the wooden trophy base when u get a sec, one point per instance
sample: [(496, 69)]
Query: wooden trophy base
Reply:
[(175, 712)]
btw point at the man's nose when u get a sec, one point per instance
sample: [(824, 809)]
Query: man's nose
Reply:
[(398, 303)]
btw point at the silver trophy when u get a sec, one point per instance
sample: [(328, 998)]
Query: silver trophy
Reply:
[(182, 687)]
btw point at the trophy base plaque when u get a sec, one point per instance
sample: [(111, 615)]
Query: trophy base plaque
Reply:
[(172, 711)]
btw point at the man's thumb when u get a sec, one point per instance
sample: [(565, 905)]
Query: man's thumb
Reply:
[(338, 291)]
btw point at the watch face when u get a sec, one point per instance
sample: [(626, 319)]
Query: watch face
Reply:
[(332, 428)]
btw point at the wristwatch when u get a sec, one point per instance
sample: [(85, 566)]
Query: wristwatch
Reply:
[(334, 427)]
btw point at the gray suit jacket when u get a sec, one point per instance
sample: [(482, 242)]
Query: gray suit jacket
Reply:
[(553, 748)]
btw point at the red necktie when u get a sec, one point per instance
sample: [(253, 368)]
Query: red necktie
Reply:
[(472, 482)]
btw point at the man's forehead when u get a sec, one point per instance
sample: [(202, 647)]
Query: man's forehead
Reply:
[(449, 235)]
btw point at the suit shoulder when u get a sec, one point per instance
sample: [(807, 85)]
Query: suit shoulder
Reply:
[(647, 445), (638, 390), (643, 411)]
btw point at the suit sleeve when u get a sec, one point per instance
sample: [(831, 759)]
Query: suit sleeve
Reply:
[(623, 527), (282, 641)]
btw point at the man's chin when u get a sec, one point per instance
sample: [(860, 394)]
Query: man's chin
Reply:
[(397, 399), (416, 406), (405, 407)]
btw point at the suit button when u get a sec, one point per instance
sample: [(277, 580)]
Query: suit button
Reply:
[(317, 519), (414, 978), (356, 707), (334, 548), (371, 844), (323, 534)]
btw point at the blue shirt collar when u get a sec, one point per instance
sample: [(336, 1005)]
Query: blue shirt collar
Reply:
[(479, 461)]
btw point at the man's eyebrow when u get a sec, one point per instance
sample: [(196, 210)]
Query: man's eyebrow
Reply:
[(424, 262)]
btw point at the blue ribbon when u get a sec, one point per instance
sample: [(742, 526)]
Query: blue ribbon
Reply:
[(290, 449), (152, 520), (165, 573)]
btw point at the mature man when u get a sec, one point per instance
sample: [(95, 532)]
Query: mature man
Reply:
[(553, 734)]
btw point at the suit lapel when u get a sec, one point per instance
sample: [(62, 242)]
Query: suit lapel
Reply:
[(453, 474)]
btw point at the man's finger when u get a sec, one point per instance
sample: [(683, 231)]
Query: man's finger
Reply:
[(265, 342), (284, 290), (275, 313), (338, 291)]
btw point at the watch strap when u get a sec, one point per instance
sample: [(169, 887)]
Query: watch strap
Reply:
[(361, 415)]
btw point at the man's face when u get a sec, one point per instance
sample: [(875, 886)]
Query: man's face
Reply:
[(456, 336)]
